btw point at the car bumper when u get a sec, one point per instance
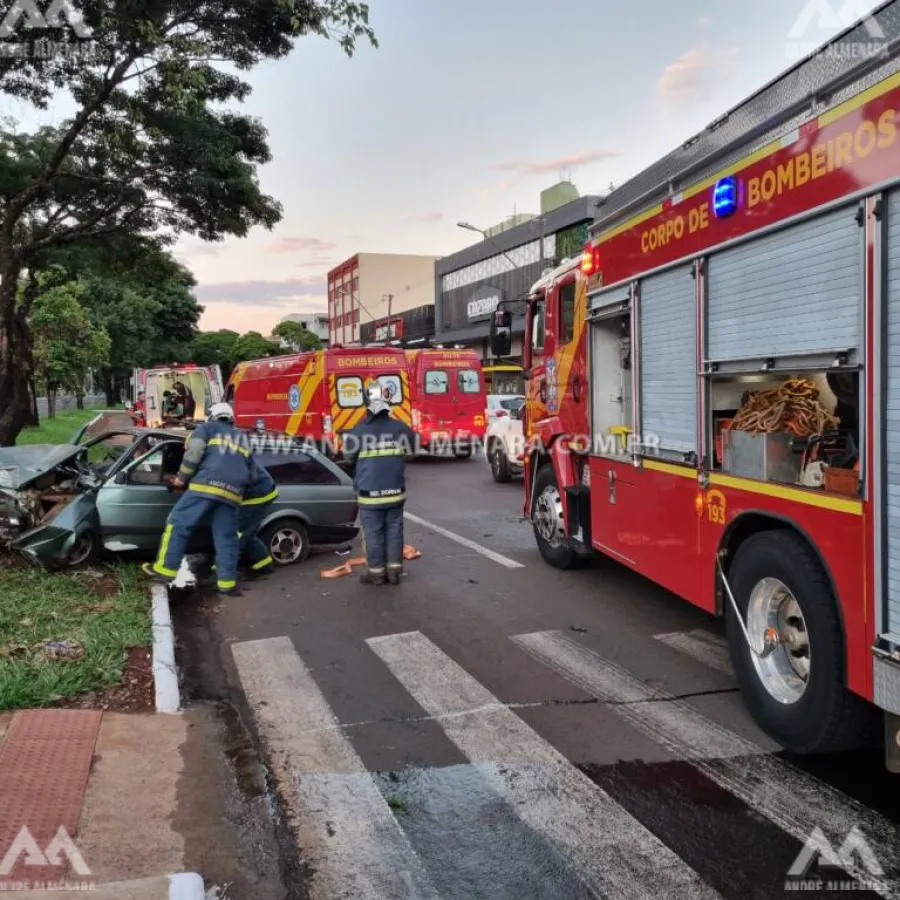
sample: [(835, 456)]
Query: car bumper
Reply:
[(46, 544)]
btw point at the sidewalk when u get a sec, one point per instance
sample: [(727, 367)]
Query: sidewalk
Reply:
[(87, 799)]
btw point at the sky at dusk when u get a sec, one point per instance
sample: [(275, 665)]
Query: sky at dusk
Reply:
[(466, 111)]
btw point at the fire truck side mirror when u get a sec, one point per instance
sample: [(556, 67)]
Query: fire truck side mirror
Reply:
[(501, 333)]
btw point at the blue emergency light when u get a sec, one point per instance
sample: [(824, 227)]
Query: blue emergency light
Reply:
[(725, 197)]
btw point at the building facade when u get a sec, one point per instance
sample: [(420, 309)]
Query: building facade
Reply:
[(387, 294), (471, 283)]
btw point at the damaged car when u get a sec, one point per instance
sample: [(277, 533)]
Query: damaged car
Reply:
[(62, 506)]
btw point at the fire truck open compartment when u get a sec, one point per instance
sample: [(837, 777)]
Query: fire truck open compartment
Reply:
[(612, 395)]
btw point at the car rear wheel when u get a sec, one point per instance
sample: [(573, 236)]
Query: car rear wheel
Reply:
[(287, 541), (500, 469)]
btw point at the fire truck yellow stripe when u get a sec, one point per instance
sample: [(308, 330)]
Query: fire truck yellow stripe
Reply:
[(823, 501), (860, 99), (309, 382), (340, 420), (669, 469)]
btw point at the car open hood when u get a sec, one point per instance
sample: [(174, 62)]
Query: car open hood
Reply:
[(19, 466)]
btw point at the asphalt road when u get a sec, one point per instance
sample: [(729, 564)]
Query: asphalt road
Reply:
[(494, 728)]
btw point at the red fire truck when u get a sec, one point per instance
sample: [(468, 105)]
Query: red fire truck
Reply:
[(714, 391), (318, 394), (448, 398)]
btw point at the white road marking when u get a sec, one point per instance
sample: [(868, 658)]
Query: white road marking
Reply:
[(349, 836), (701, 645), (612, 852), (465, 542), (794, 801)]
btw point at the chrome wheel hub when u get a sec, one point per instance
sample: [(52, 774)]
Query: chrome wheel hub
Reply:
[(286, 546), (548, 516), (785, 671)]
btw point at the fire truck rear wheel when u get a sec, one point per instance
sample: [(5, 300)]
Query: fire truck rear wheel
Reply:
[(796, 694), (549, 530)]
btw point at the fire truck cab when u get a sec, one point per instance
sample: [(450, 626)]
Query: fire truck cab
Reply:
[(713, 391)]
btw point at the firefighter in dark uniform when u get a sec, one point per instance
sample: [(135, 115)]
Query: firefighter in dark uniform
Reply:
[(215, 471), (378, 447), (259, 496)]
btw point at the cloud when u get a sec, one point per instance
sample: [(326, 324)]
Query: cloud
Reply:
[(704, 21), (692, 74), (522, 168), (191, 248), (263, 293), (301, 245), (427, 218)]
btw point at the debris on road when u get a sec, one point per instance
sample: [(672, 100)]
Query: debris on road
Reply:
[(409, 552)]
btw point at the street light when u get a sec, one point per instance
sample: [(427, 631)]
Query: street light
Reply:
[(489, 239)]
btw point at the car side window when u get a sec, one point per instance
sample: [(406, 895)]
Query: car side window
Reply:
[(149, 470), (296, 469)]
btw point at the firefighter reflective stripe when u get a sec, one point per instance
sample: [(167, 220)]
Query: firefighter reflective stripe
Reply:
[(795, 292), (891, 434), (226, 585), (229, 444), (258, 501), (376, 499), (261, 564), (388, 451), (211, 491), (668, 359), (158, 566)]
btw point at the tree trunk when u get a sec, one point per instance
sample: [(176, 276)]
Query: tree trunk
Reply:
[(79, 399), (51, 402), (15, 361), (109, 388), (34, 419)]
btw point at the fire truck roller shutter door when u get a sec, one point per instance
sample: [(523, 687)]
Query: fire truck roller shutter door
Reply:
[(668, 359), (892, 424), (794, 293)]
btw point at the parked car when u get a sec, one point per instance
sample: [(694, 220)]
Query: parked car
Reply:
[(500, 405), (504, 443), (62, 505)]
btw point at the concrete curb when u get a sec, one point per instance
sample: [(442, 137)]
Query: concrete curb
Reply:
[(186, 886), (165, 675)]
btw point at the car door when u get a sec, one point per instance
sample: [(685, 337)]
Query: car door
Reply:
[(134, 503)]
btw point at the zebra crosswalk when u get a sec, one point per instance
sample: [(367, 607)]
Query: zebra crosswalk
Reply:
[(580, 841)]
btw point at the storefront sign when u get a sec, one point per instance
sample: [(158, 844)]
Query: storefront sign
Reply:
[(389, 331), (483, 303)]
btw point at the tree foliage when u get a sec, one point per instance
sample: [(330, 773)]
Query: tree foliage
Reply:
[(67, 345), (215, 348), (155, 146), (253, 345), (297, 335)]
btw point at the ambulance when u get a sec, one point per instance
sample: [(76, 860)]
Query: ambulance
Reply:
[(318, 394), (203, 383), (448, 399)]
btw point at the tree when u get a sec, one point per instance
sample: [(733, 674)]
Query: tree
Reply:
[(297, 335), (155, 146), (215, 348), (66, 345), (253, 345)]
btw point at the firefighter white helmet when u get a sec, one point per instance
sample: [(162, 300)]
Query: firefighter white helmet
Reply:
[(377, 398), (221, 412)]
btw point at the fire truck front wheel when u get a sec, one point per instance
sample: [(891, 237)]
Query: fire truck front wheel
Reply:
[(797, 692), (549, 529)]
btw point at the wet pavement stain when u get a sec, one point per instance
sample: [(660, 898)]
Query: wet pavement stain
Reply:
[(473, 844), (738, 852)]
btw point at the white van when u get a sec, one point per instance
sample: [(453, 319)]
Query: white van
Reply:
[(203, 384)]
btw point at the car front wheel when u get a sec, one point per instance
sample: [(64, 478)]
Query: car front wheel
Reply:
[(500, 469), (287, 541)]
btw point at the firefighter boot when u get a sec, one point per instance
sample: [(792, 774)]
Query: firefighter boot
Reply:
[(372, 576), (394, 573)]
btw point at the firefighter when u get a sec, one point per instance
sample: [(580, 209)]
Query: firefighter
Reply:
[(377, 447), (215, 471), (261, 493)]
